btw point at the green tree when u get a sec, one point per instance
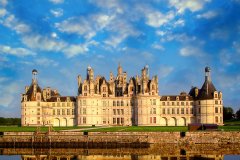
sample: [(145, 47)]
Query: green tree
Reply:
[(238, 114), (227, 113)]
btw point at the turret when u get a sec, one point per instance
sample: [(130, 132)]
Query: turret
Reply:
[(119, 69)]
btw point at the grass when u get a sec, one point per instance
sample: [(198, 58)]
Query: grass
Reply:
[(232, 122), (32, 129)]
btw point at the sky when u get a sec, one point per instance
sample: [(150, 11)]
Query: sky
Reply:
[(175, 38)]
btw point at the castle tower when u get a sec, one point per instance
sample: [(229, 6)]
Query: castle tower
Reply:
[(209, 108)]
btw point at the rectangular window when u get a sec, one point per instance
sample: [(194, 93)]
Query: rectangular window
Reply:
[(182, 103), (114, 120), (168, 111), (114, 111), (68, 111), (58, 104), (191, 111), (154, 110), (163, 110), (150, 119), (84, 111), (118, 103), (122, 104), (199, 110), (186, 110), (114, 103), (182, 110), (84, 120), (177, 103), (216, 119), (54, 112), (154, 101), (84, 102), (73, 112), (163, 103), (216, 109), (63, 104), (220, 110), (63, 112), (118, 111), (216, 102), (104, 120), (173, 111), (173, 103), (154, 120), (122, 111), (53, 104), (122, 120), (58, 112)]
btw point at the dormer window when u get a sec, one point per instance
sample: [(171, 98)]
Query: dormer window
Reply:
[(58, 99), (85, 88), (186, 98), (104, 89), (177, 98), (68, 99), (168, 98)]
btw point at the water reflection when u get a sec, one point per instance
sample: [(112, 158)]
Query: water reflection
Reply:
[(154, 152)]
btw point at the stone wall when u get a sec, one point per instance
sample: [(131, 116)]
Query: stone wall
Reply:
[(216, 137)]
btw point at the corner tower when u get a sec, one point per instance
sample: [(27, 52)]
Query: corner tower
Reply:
[(209, 106)]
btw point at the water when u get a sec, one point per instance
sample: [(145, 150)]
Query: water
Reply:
[(154, 152)]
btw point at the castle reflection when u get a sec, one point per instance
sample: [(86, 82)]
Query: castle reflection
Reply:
[(154, 152)]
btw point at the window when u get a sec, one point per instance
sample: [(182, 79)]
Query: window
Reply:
[(104, 120), (84, 102), (216, 102), (118, 111), (173, 111), (154, 111), (114, 120), (163, 111), (63, 104), (177, 110), (199, 110), (84, 120), (216, 109), (68, 104), (191, 111), (104, 95), (73, 112), (68, 111), (38, 103), (153, 87), (177, 103), (114, 103), (85, 88), (84, 111), (58, 112), (168, 111), (186, 110), (154, 101), (122, 104), (187, 103), (216, 119), (220, 110), (182, 103), (122, 111), (215, 96), (122, 120), (118, 103), (54, 112), (63, 112), (114, 111), (163, 103), (58, 104), (173, 104), (182, 110), (104, 89), (154, 120), (53, 104)]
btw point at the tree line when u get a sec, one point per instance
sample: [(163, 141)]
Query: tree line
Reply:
[(229, 114), (10, 121)]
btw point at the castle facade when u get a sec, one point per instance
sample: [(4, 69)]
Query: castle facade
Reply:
[(121, 102)]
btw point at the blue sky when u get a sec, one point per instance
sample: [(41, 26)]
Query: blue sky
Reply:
[(176, 38)]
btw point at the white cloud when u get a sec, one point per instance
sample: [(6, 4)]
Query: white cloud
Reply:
[(54, 35), (225, 57), (179, 22), (11, 22), (43, 43), (113, 5), (3, 12), (56, 1), (74, 50), (57, 12), (86, 26), (192, 5), (164, 71), (46, 62), (191, 51), (158, 46), (157, 19), (207, 15), (161, 33), (221, 34), (15, 51), (3, 79)]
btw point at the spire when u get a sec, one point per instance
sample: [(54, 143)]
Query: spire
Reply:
[(34, 76), (119, 69), (207, 74)]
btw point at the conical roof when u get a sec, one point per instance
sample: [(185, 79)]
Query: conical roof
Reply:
[(207, 90), (30, 94)]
